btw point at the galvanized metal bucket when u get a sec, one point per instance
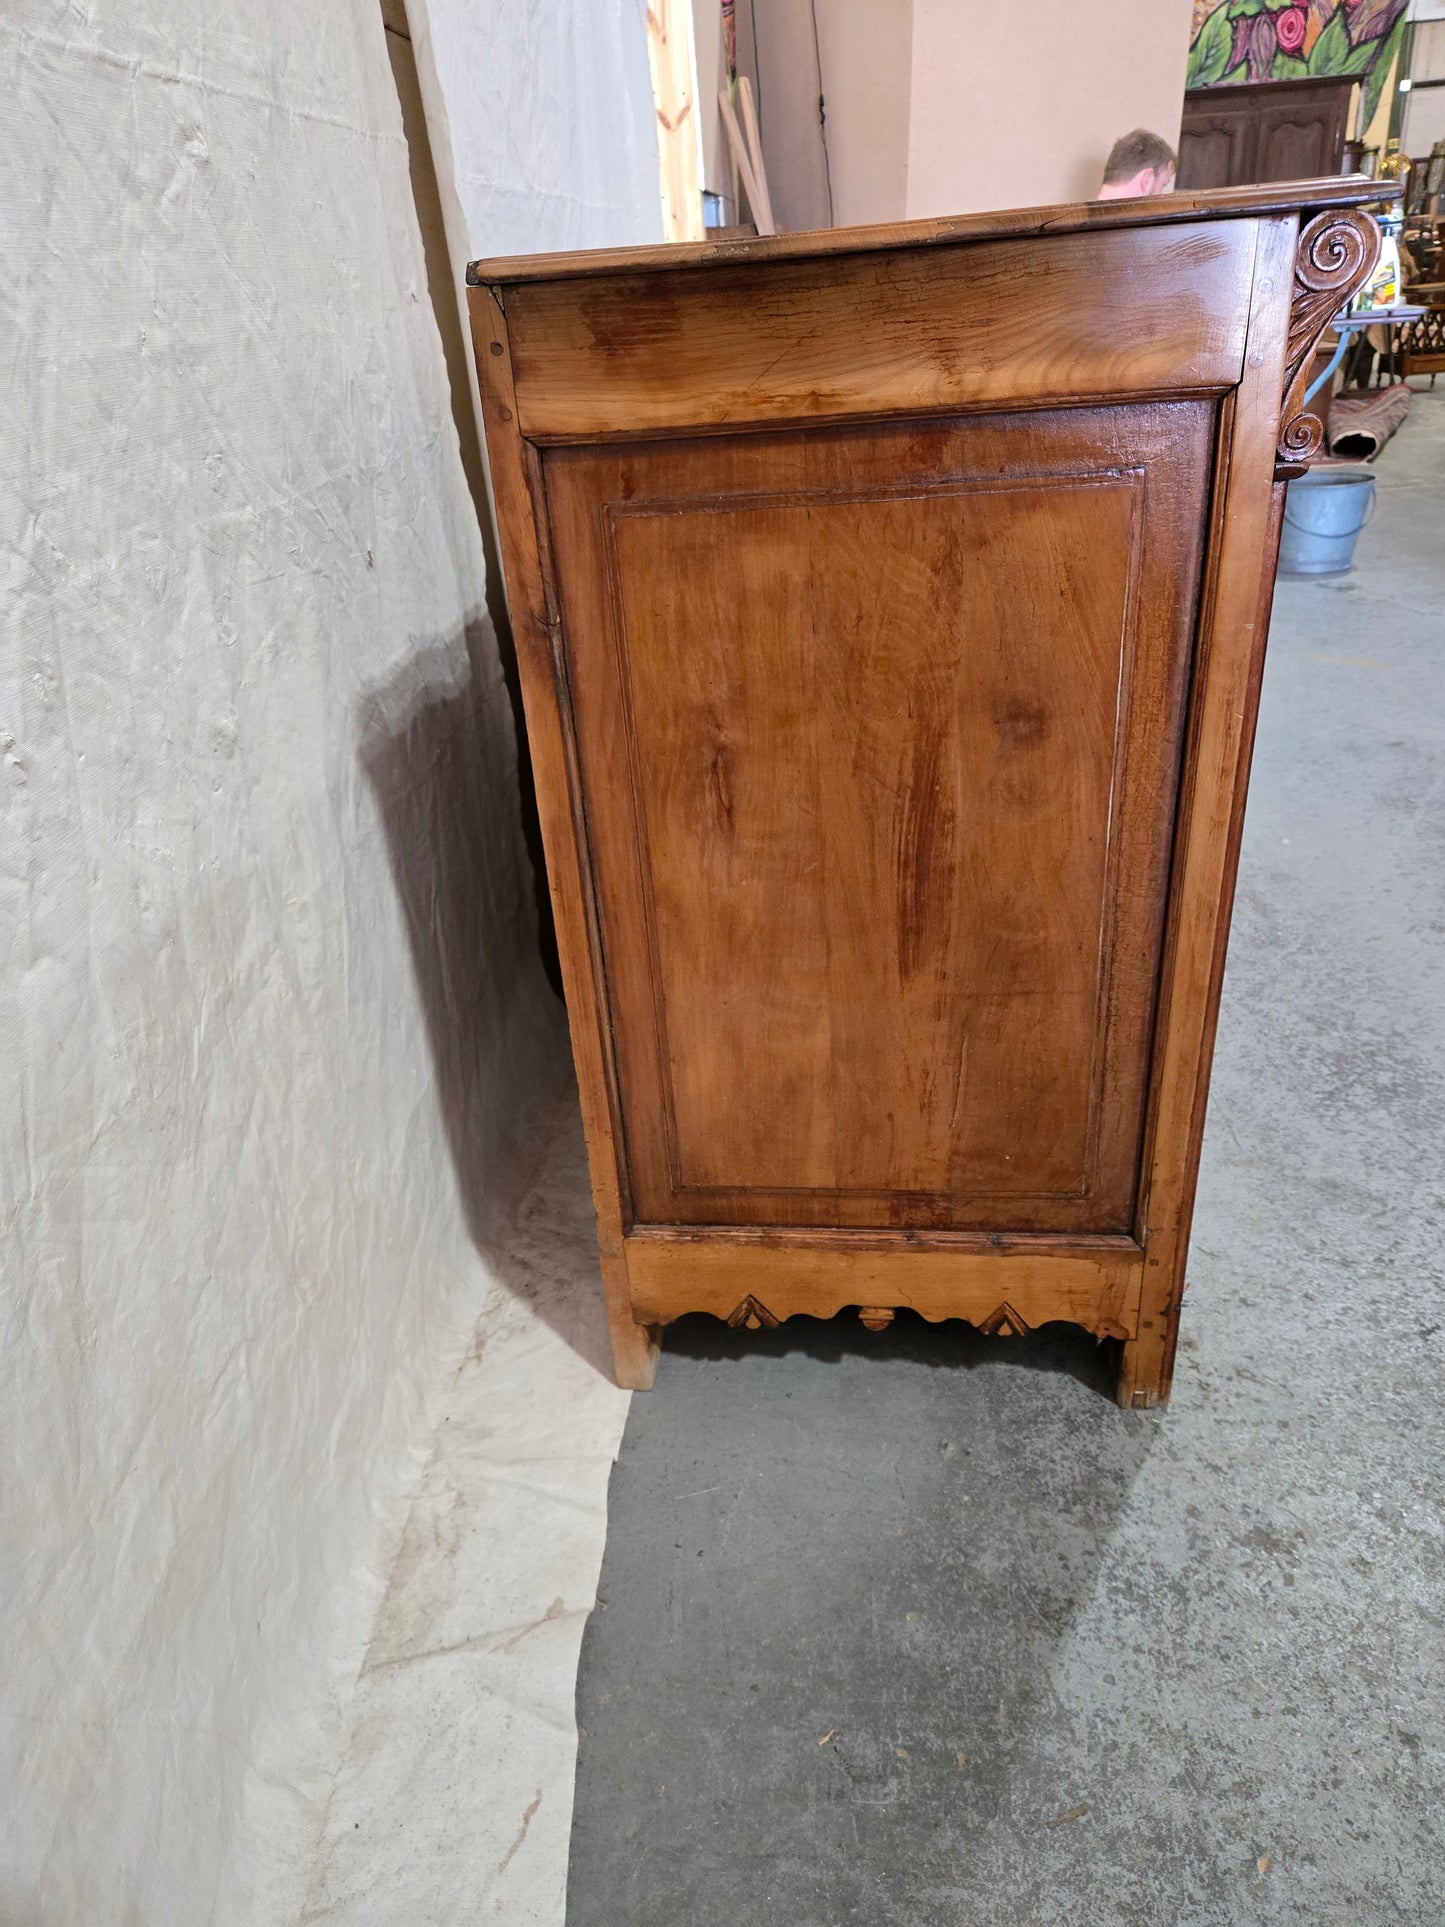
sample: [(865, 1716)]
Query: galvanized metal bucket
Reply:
[(1324, 512)]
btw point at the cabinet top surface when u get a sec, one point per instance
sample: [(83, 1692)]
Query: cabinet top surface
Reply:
[(1279, 197)]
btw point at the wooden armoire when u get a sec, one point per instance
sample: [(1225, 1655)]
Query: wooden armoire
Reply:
[(890, 606), (1267, 130)]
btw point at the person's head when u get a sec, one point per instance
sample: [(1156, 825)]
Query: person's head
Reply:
[(1138, 163)]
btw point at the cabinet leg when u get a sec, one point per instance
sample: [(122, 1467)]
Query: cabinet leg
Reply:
[(634, 1346), (1146, 1363), (634, 1351)]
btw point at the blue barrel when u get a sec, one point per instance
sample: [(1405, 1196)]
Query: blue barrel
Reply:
[(1324, 512)]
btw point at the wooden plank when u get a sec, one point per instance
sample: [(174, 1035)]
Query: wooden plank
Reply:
[(747, 173), (987, 326), (679, 129), (1302, 278), (1012, 1289), (763, 207), (821, 244), (553, 760)]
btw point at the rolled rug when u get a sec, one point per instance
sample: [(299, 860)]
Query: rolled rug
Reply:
[(1360, 425)]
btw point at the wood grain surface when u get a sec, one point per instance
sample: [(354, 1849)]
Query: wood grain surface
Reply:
[(1233, 629), (882, 850), (1089, 1285), (964, 327)]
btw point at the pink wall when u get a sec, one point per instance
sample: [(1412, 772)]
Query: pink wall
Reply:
[(952, 106), (1013, 106)]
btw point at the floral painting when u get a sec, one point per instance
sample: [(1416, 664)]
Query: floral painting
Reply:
[(1236, 40)]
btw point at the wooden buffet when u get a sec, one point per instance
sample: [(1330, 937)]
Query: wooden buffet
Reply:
[(890, 606)]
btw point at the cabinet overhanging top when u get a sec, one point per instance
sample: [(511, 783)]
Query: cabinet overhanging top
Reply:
[(1279, 197)]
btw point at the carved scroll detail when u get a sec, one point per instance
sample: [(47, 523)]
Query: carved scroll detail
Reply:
[(1336, 252), (752, 1314), (1004, 1323)]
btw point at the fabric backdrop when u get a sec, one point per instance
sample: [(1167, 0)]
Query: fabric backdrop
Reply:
[(269, 1011)]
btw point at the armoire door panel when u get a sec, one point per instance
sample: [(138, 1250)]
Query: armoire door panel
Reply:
[(1293, 146), (878, 732), (1216, 151)]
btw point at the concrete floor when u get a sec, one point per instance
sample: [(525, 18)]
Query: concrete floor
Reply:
[(922, 1629)]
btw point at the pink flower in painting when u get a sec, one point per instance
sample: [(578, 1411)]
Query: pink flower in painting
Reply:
[(1289, 28)]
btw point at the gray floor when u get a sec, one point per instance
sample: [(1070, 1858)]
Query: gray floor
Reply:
[(922, 1629)]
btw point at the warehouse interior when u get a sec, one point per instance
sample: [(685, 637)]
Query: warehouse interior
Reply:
[(343, 1582)]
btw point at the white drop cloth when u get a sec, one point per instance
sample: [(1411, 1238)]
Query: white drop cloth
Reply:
[(453, 1800), (268, 1009), (544, 112)]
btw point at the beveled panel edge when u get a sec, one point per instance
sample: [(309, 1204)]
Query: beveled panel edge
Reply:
[(1128, 476), (1159, 210), (1093, 1245), (1024, 402)]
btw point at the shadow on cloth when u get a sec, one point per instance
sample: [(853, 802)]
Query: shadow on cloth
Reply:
[(436, 748)]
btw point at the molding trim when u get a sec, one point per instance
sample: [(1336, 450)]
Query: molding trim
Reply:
[(1336, 253), (1004, 1323), (753, 1315)]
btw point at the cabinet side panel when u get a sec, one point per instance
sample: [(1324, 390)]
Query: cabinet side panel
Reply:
[(878, 735)]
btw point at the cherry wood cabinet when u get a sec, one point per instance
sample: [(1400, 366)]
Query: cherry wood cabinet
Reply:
[(890, 606)]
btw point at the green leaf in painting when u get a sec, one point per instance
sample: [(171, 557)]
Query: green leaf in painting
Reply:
[(1333, 54), (1239, 9), (1209, 56), (1372, 19), (1236, 76), (1380, 72), (1289, 67)]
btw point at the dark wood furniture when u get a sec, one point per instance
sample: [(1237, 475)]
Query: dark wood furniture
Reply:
[(1421, 344), (890, 672), (1268, 130)]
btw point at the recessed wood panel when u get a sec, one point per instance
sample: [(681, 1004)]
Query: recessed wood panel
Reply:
[(878, 734), (828, 781)]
